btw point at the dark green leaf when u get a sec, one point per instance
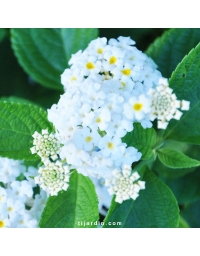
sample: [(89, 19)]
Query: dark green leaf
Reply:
[(44, 53), (175, 159), (72, 208), (168, 50), (17, 124), (155, 207), (186, 189), (3, 33), (142, 139), (191, 214), (185, 81)]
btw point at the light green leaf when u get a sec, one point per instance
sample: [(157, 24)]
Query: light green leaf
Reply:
[(142, 139), (44, 53), (183, 223), (169, 49), (72, 208), (191, 151), (16, 99), (17, 124), (176, 159), (185, 81), (156, 206)]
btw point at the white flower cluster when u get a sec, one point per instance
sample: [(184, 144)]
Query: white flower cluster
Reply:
[(109, 86), (54, 174), (45, 145), (19, 208), (124, 184), (164, 104), (53, 177)]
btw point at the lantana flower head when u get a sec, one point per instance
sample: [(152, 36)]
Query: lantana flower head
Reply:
[(108, 87)]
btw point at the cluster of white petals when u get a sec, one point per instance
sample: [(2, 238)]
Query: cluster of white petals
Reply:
[(54, 174), (45, 145), (125, 185), (105, 93), (108, 87), (19, 207), (165, 105), (53, 178)]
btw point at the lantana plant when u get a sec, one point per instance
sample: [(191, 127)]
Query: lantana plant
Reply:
[(110, 151)]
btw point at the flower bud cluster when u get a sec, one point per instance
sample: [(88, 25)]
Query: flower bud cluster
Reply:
[(164, 104), (45, 145), (124, 184), (53, 175), (53, 178)]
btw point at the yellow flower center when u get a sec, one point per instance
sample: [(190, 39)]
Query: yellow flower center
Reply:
[(137, 106), (110, 145), (1, 198), (89, 65), (88, 139), (73, 78), (112, 60), (98, 120), (1, 224), (100, 50), (126, 72), (10, 209)]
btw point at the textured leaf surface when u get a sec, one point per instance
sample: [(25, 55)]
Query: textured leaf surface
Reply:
[(175, 159), (16, 99), (142, 139), (44, 53), (156, 206), (17, 124), (169, 49), (185, 81), (74, 207)]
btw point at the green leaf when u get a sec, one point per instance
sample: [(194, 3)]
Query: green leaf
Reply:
[(186, 189), (17, 124), (185, 82), (191, 151), (168, 50), (191, 214), (176, 159), (16, 99), (142, 139), (183, 223), (72, 208), (44, 53), (3, 33), (156, 206)]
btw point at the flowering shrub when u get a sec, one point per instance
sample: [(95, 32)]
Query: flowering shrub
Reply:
[(114, 143)]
